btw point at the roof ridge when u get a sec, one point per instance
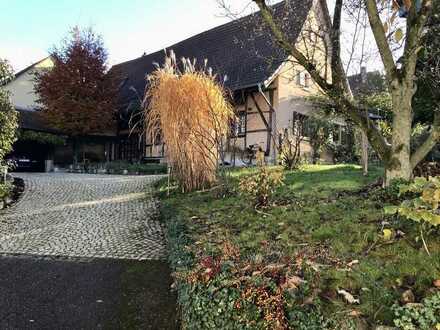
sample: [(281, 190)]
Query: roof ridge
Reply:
[(218, 27), (16, 75)]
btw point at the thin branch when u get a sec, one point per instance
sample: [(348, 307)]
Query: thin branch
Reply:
[(381, 40), (430, 142)]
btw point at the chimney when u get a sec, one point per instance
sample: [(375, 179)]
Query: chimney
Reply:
[(364, 74)]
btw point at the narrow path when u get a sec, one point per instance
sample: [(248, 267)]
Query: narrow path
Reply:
[(84, 252)]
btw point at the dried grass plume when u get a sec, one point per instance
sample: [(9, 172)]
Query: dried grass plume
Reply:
[(188, 110)]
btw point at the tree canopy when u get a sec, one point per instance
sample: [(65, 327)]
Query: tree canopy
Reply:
[(77, 95)]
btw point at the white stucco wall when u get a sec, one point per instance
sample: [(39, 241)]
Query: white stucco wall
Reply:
[(22, 87)]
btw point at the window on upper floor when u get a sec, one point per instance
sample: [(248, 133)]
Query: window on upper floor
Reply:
[(303, 79)]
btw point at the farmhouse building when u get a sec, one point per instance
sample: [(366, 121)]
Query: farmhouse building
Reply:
[(267, 87)]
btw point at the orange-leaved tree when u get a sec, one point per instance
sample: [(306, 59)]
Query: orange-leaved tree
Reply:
[(189, 110), (76, 95)]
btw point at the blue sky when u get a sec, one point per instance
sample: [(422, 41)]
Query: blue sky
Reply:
[(129, 27)]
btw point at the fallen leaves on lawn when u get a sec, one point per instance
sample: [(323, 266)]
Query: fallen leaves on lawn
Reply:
[(352, 263)]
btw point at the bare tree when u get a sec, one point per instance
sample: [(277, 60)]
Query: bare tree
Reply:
[(290, 143), (399, 50)]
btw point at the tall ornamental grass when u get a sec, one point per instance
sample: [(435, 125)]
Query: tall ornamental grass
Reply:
[(187, 109)]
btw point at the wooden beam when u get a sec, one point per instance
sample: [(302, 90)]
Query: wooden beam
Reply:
[(260, 112), (266, 123)]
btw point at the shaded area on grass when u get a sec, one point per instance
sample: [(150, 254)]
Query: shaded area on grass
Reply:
[(41, 293)]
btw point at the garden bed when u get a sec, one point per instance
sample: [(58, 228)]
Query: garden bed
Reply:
[(316, 259)]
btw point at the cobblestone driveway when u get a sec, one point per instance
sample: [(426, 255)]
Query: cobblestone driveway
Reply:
[(77, 215)]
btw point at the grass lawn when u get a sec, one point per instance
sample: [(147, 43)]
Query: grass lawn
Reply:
[(285, 267)]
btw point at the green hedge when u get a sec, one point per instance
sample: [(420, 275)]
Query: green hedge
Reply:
[(118, 167)]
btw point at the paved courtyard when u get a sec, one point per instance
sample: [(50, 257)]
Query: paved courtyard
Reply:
[(78, 215), (84, 252)]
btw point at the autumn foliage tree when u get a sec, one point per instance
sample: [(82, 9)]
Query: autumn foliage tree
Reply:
[(77, 95)]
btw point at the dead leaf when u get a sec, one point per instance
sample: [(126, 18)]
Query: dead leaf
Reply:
[(400, 233), (352, 263), (408, 4), (437, 283), (385, 27), (348, 297), (273, 267), (387, 234), (293, 282), (398, 35), (355, 313), (407, 297)]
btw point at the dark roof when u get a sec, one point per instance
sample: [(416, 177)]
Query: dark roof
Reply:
[(19, 73), (242, 50), (32, 120)]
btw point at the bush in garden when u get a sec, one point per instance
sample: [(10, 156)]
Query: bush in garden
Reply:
[(189, 111), (290, 143), (262, 185), (8, 115), (424, 207)]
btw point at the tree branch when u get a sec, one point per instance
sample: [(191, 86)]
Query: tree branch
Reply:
[(339, 93), (339, 76), (415, 24), (430, 142), (381, 40)]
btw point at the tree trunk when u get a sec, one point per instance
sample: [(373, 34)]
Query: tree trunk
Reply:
[(364, 147), (399, 164)]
